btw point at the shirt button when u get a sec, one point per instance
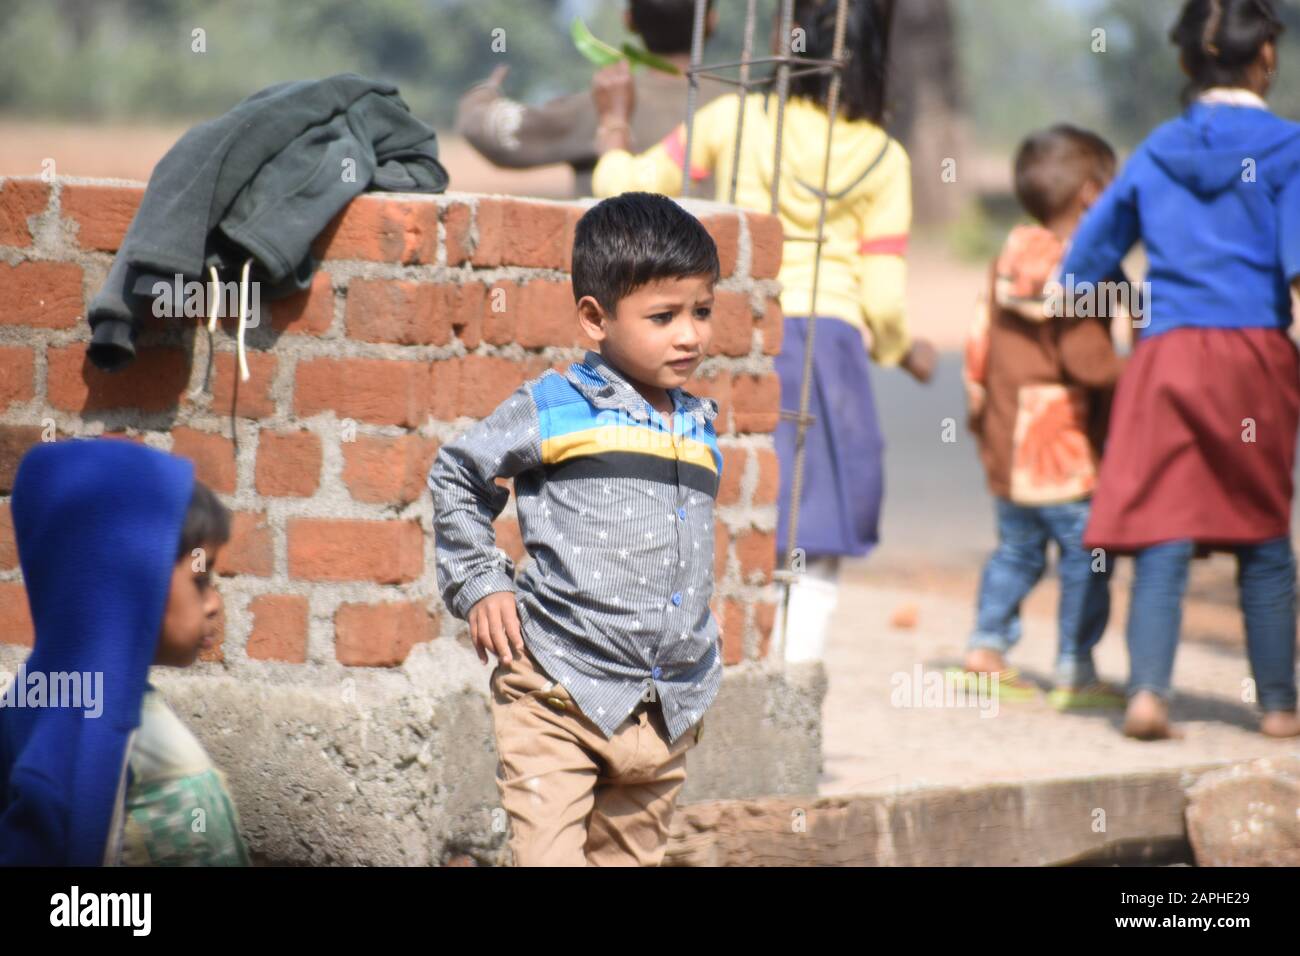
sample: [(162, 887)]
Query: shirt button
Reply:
[(677, 598), (656, 672), (681, 513)]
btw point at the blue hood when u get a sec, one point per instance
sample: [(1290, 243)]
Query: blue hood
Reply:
[(97, 524), (1204, 149)]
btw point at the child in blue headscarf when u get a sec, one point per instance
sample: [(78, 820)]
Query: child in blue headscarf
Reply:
[(116, 542)]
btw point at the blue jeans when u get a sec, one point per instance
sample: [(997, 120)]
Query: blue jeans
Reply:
[(1266, 581), (1017, 565)]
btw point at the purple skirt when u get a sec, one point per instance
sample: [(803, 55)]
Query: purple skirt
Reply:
[(843, 473)]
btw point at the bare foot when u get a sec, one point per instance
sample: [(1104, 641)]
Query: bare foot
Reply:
[(1280, 723), (1147, 718), (982, 660)]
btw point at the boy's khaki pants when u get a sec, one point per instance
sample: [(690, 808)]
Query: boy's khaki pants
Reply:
[(573, 797)]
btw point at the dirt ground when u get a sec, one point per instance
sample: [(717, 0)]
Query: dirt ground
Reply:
[(872, 745)]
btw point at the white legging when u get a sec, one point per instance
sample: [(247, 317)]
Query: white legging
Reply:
[(813, 595)]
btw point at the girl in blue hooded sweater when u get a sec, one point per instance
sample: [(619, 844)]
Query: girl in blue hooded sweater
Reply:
[(1203, 429), (116, 542)]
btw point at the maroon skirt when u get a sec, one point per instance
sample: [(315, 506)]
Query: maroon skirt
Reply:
[(1202, 442)]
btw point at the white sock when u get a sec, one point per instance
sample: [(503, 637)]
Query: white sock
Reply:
[(813, 596)]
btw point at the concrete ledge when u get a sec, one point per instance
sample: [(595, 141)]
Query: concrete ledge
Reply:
[(1021, 824), (397, 767)]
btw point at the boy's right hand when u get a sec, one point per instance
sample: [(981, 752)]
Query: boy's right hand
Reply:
[(494, 626)]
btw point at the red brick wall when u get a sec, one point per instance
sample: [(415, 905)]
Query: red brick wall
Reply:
[(402, 340)]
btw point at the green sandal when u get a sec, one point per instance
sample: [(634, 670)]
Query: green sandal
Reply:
[(1010, 687), (1095, 696)]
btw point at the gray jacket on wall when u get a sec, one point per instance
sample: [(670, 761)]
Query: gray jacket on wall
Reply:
[(261, 181)]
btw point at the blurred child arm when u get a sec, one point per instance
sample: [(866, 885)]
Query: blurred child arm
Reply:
[(517, 136), (1289, 230), (659, 168), (467, 499), (884, 224), (1088, 352), (1107, 232), (975, 365)]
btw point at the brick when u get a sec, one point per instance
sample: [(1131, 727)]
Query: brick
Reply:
[(279, 628), (385, 470), (17, 375), (15, 616), (733, 472), (14, 442), (380, 635), (732, 324), (484, 383), (756, 552), (725, 230), (386, 552), (530, 234), (154, 382), (456, 220), (769, 477), (102, 213), (213, 457), (254, 396), (288, 464), (405, 313), (444, 388), (733, 632), (8, 546), (500, 306), (19, 200), (306, 313), (546, 315), (45, 295), (767, 241), (249, 549), (382, 229), (380, 391), (772, 326), (721, 546), (757, 402), (466, 304), (717, 388)]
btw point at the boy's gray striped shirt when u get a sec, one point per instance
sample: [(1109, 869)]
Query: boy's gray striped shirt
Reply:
[(614, 603)]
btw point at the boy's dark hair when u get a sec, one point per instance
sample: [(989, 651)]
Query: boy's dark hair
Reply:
[(1054, 164), (206, 521), (866, 41), (1220, 38), (623, 242), (666, 26)]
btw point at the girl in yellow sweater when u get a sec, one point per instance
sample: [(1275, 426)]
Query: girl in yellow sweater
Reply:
[(860, 291)]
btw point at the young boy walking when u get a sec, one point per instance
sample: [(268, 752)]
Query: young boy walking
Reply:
[(608, 653), (1038, 384)]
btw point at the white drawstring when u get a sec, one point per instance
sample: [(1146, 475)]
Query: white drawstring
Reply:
[(243, 317), (214, 294)]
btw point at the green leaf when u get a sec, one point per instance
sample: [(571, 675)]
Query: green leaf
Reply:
[(646, 58), (597, 51)]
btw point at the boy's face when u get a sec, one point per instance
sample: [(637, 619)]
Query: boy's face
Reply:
[(660, 333), (190, 621)]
